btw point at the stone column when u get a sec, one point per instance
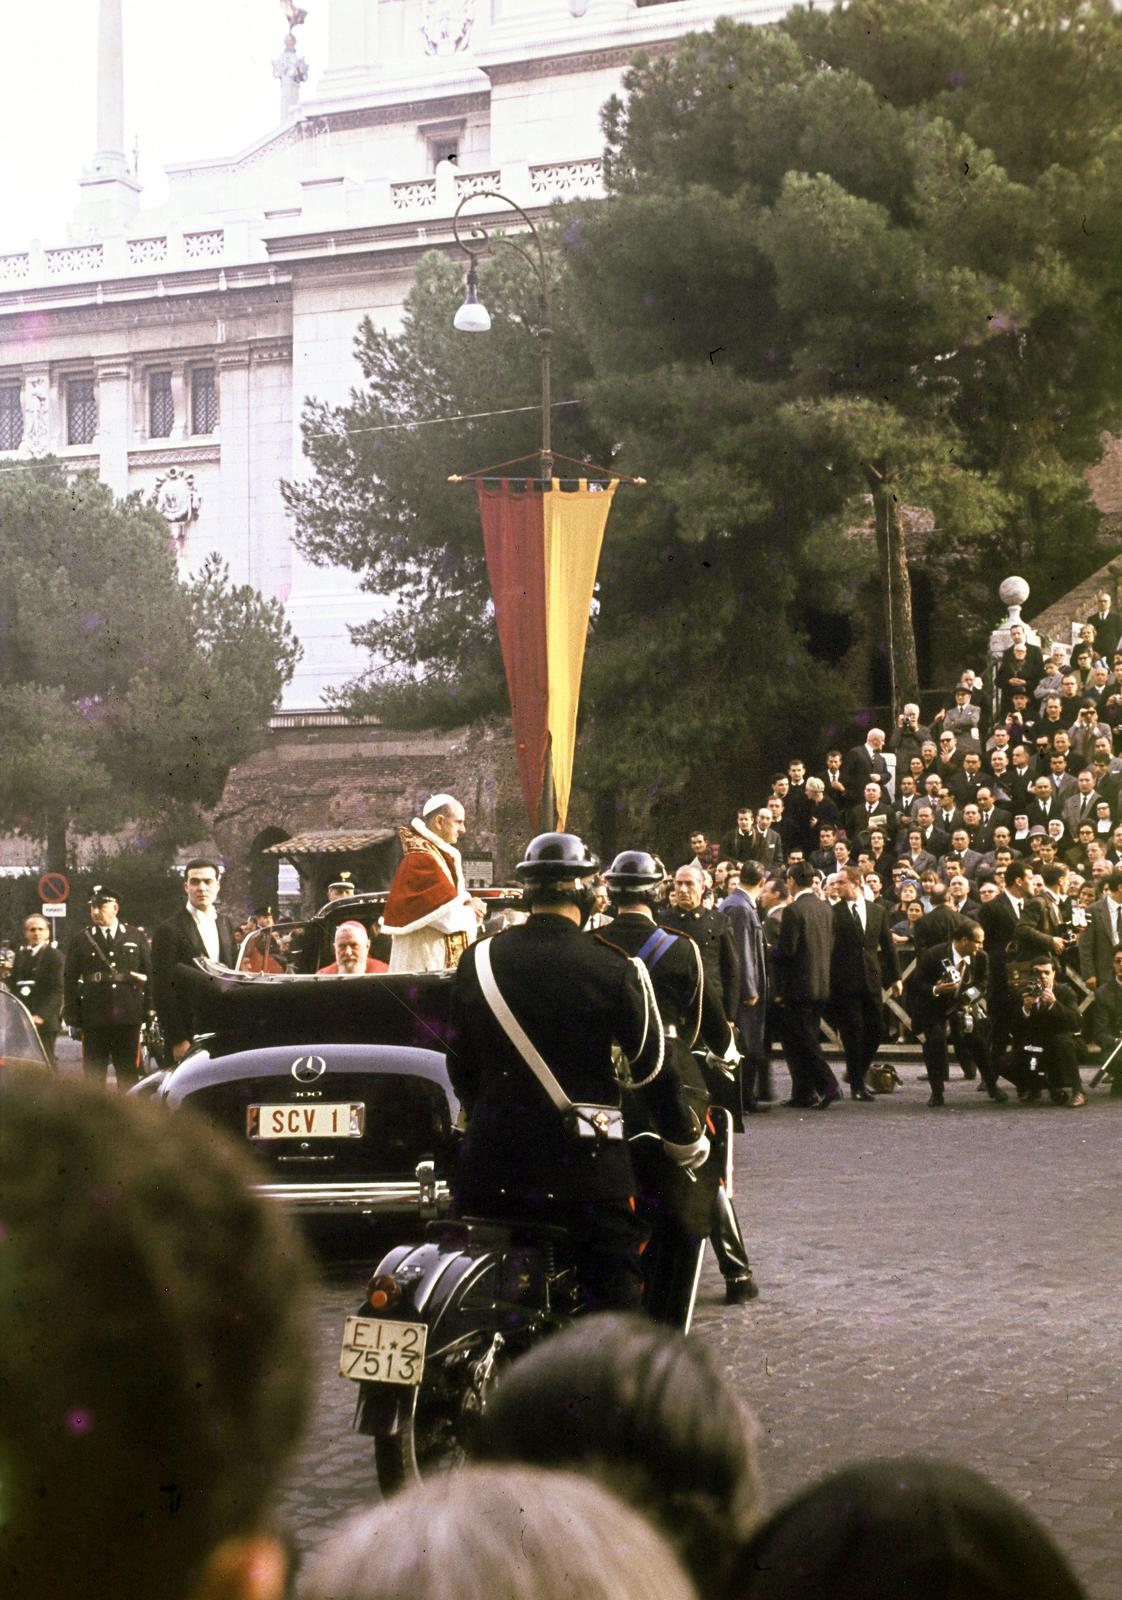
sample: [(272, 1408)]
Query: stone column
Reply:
[(109, 190), (113, 423), (110, 161), (233, 384)]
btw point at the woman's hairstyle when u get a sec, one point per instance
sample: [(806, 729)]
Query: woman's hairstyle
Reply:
[(903, 1530), (642, 1409), (497, 1533)]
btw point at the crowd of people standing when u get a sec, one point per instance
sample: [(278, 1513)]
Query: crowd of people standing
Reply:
[(969, 869)]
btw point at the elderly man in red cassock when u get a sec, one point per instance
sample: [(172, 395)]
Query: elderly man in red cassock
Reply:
[(429, 915)]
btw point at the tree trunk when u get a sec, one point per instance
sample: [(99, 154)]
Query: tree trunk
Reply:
[(892, 553), (56, 843)]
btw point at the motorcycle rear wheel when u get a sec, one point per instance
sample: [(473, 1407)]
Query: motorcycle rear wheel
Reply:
[(435, 1436)]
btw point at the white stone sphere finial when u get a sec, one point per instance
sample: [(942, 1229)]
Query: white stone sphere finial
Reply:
[(1014, 592)]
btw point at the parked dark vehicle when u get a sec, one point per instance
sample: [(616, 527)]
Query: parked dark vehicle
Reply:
[(20, 1046), (337, 1083)]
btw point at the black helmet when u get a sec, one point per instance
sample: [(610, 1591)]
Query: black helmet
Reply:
[(556, 857), (634, 869)]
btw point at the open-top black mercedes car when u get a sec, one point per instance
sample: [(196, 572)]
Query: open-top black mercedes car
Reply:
[(337, 1083)]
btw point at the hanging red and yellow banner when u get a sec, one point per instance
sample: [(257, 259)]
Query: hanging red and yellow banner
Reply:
[(543, 549)]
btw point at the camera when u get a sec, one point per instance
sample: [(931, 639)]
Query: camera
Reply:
[(7, 960), (1033, 988), (950, 971)]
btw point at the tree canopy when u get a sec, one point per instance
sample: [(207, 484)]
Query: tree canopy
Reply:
[(862, 259), (125, 694)]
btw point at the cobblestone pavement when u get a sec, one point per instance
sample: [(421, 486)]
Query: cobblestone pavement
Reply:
[(937, 1281)]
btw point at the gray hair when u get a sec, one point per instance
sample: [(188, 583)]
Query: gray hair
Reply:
[(480, 1532)]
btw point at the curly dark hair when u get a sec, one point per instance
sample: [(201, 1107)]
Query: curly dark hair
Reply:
[(643, 1409), (154, 1341)]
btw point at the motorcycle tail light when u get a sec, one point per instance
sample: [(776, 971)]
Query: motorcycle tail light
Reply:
[(383, 1291)]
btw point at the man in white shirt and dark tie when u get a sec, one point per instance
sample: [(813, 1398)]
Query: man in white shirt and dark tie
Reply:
[(197, 930)]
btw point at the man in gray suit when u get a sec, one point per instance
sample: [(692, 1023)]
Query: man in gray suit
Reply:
[(1080, 806), (1102, 935), (748, 933), (802, 969)]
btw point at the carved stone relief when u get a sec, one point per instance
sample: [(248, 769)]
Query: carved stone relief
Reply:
[(178, 500), (36, 415), (446, 26)]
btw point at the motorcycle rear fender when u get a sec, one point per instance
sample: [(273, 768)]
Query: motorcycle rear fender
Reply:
[(436, 1281)]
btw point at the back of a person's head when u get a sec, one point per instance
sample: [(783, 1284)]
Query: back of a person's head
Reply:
[(497, 1533), (153, 1345), (905, 1529), (643, 1409)]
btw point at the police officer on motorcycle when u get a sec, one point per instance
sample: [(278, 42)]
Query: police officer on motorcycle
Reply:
[(682, 1212), (536, 1011)]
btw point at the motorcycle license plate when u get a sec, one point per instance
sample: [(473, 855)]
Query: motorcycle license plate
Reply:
[(332, 1120), (376, 1351)]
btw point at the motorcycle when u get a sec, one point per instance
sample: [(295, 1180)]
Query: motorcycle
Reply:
[(440, 1321), (444, 1318)]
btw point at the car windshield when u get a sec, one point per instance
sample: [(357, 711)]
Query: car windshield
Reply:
[(19, 1043)]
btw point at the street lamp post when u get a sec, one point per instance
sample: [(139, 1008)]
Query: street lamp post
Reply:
[(473, 317)]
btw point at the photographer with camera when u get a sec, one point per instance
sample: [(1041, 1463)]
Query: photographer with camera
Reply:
[(1106, 1027), (949, 1006), (908, 736), (1044, 1037)]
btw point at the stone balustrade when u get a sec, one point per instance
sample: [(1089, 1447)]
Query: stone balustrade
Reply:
[(345, 202)]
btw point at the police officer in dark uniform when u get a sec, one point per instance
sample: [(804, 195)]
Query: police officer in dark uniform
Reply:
[(107, 977), (36, 976), (572, 1000), (683, 1211)]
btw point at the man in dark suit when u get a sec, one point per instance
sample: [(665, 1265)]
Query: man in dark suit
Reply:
[(935, 840), (736, 845), (1033, 667), (107, 978), (873, 812), (710, 931), (197, 930), (1044, 1031), (1102, 935), (1106, 1023), (862, 965), (763, 843), (1008, 920), (865, 761), (802, 970), (37, 977), (935, 926), (1108, 628), (949, 983), (991, 816), (1020, 778), (1044, 804)]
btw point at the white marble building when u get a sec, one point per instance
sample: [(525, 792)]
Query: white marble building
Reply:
[(170, 350)]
